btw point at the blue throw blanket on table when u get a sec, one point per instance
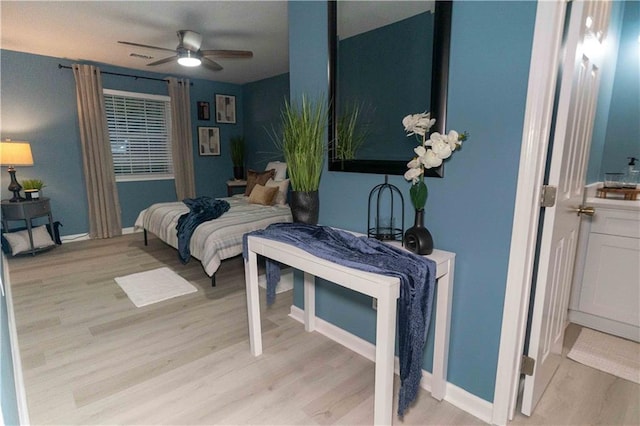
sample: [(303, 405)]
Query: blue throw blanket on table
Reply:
[(201, 209), (417, 283)]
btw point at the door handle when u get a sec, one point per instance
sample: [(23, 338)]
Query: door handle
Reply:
[(586, 210)]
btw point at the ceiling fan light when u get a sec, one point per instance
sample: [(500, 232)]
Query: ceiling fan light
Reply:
[(187, 59)]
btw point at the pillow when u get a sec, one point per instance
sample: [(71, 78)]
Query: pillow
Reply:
[(19, 241), (280, 168), (263, 195), (283, 187), (254, 178)]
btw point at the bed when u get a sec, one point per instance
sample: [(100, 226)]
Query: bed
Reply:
[(217, 239)]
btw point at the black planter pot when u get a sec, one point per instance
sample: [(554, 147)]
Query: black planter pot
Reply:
[(305, 207), (238, 172), (418, 239)]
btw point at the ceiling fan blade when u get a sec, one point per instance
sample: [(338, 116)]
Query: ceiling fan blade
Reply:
[(162, 61), (211, 65), (146, 46), (228, 54)]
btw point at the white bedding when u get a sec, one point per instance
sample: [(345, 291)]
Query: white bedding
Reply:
[(217, 239)]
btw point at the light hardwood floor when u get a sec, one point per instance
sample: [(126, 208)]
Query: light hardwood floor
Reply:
[(91, 357)]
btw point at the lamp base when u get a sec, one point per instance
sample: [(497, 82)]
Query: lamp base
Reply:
[(14, 186), (16, 197)]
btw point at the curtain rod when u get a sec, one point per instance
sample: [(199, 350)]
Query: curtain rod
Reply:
[(125, 75)]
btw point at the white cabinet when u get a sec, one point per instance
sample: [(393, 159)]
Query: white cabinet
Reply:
[(606, 291)]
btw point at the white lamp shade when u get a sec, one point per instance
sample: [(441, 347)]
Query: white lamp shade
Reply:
[(15, 154)]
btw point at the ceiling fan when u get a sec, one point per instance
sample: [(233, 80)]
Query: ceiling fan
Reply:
[(189, 54)]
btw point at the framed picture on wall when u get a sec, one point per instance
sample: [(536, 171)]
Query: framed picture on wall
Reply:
[(225, 109), (204, 113), (208, 141)]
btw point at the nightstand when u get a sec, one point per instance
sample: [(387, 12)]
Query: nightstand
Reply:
[(233, 184), (26, 211)]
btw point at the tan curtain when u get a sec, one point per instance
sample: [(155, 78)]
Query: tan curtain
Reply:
[(102, 194), (181, 138)]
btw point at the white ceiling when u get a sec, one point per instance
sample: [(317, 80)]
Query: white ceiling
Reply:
[(90, 30)]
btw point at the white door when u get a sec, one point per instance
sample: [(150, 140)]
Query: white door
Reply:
[(571, 142)]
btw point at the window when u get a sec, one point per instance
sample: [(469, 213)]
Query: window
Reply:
[(140, 132)]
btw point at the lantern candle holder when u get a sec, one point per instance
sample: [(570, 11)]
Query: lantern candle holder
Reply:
[(381, 217)]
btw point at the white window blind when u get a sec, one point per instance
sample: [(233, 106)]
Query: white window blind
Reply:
[(140, 132)]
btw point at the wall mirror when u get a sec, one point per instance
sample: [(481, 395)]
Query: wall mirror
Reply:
[(387, 59)]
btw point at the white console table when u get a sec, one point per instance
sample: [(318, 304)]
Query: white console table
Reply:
[(385, 289)]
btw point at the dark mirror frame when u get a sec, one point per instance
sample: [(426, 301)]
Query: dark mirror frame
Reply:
[(438, 102)]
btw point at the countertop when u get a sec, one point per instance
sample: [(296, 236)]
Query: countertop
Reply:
[(608, 203)]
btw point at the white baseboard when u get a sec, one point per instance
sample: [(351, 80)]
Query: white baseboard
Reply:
[(455, 395), (83, 237), (606, 325), (74, 237), (130, 230)]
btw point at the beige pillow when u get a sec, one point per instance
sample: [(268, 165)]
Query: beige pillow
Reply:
[(254, 178), (263, 195), (19, 241), (283, 187)]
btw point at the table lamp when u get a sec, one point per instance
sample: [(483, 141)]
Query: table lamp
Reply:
[(15, 154)]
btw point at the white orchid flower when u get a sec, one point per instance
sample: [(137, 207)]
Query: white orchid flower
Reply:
[(413, 174), (430, 160), (425, 121), (453, 139), (418, 124), (441, 149), (435, 136), (415, 163), (432, 150)]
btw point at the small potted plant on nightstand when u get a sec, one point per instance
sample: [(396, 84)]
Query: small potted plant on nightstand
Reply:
[(32, 188), (237, 157)]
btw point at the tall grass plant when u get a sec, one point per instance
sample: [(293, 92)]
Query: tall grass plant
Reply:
[(302, 142)]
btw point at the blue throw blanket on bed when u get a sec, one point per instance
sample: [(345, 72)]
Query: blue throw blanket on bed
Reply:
[(417, 283), (201, 209)]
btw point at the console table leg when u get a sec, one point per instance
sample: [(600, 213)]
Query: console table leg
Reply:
[(253, 303), (441, 339), (385, 346), (309, 302)]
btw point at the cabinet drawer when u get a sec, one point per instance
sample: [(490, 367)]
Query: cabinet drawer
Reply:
[(24, 210), (625, 223), (38, 208)]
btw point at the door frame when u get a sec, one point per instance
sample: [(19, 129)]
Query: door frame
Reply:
[(543, 73)]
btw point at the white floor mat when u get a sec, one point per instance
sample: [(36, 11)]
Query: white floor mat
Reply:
[(607, 353), (285, 284), (145, 288)]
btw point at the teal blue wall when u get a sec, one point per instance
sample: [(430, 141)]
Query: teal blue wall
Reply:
[(213, 171), (43, 111), (612, 75), (263, 101), (470, 211)]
